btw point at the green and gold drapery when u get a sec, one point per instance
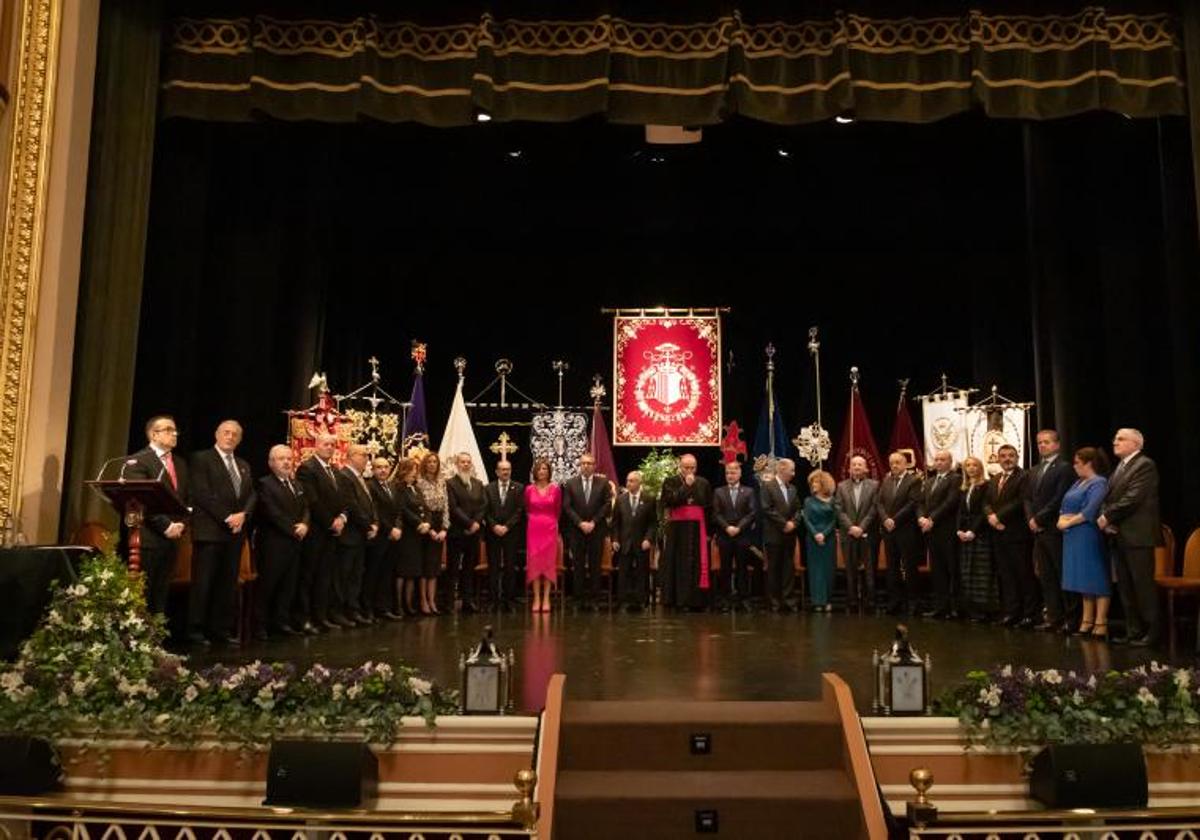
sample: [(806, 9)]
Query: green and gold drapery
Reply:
[(631, 71)]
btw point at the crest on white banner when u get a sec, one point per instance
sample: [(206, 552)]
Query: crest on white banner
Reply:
[(459, 436), (989, 428), (944, 422)]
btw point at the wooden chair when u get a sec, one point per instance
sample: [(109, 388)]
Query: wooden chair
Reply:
[(247, 581), (1186, 583), (1164, 555)]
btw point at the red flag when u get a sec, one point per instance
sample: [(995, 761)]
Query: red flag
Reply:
[(601, 449), (857, 440), (904, 435)]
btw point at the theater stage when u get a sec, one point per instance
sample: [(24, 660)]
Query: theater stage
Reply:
[(660, 655)]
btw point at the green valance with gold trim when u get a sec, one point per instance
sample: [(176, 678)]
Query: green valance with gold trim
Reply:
[(378, 66)]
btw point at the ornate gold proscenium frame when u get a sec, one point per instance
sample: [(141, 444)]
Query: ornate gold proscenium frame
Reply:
[(30, 119)]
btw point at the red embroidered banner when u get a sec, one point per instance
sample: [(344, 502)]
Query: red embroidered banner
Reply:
[(667, 375)]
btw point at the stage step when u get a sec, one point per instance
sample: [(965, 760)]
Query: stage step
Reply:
[(741, 736), (773, 769), (813, 804)]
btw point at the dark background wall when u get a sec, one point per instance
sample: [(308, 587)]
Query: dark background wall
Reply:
[(1054, 260)]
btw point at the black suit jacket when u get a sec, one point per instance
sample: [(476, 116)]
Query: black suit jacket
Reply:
[(629, 529), (387, 506), (509, 511), (940, 503), (1132, 504), (739, 512), (597, 508), (360, 509), (150, 466), (213, 496), (1045, 490), (777, 511), (971, 515), (323, 493), (1009, 505), (898, 499), (279, 511), (466, 505)]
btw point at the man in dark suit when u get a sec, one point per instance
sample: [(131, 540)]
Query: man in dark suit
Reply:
[(1048, 482), (223, 496), (634, 521), (281, 524), (734, 515), (858, 520), (160, 534), (1005, 509), (504, 514), (362, 525), (1130, 514), (937, 517), (318, 478), (379, 578), (587, 509), (780, 505), (468, 508), (899, 493)]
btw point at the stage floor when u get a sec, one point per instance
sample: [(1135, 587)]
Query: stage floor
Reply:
[(703, 656)]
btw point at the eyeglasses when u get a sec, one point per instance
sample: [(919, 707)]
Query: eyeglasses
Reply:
[(171, 430)]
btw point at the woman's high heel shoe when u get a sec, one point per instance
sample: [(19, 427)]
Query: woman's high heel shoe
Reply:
[(1100, 631), (1085, 629)]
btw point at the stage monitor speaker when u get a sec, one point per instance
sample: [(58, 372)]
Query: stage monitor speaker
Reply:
[(321, 774), (1090, 776), (28, 766)]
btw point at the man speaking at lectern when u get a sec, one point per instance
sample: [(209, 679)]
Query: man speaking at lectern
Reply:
[(160, 534)]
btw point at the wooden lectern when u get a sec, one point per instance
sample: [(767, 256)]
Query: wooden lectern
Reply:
[(134, 500)]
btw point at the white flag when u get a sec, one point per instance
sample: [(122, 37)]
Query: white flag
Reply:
[(945, 424), (1007, 427), (460, 437)]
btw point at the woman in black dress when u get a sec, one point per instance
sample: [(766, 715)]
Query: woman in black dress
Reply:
[(975, 567), (433, 492), (414, 523)]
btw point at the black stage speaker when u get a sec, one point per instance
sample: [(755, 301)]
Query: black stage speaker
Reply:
[(25, 576), (321, 774), (28, 766), (1090, 776)]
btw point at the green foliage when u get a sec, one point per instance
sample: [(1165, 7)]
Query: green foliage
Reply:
[(1009, 707), (655, 467), (96, 667)]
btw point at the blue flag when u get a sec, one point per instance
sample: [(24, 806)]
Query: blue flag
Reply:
[(416, 428), (762, 438)]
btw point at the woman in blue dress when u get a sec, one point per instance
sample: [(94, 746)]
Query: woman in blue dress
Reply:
[(820, 546), (1085, 551)]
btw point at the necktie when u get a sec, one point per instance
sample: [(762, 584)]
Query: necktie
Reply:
[(329, 472), (234, 475), (503, 490), (169, 463), (633, 503), (1003, 478), (587, 490), (287, 482), (386, 488), (857, 494), (1117, 471), (733, 496)]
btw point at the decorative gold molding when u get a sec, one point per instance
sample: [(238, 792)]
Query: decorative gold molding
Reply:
[(32, 113)]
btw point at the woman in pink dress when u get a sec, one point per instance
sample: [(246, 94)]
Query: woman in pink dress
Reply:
[(543, 502)]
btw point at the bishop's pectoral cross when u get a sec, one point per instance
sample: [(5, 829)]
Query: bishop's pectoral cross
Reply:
[(503, 446)]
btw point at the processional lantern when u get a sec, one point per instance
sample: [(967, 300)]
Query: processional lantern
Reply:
[(902, 679), (487, 678)]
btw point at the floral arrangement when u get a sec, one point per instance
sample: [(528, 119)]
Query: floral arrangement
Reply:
[(96, 667), (1018, 707)]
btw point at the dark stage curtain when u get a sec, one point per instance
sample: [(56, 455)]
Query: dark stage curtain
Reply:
[(118, 198), (802, 64)]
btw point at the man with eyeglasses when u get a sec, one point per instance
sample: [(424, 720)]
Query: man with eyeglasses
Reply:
[(160, 534)]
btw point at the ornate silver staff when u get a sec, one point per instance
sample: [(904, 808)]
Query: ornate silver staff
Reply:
[(813, 442)]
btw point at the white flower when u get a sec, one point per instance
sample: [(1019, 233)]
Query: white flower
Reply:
[(1077, 698), (1158, 669), (96, 649), (161, 719), (384, 670), (1145, 697), (80, 686), (54, 618), (1092, 681), (1006, 671), (123, 595), (79, 590), (1052, 677), (338, 690), (62, 698), (1027, 673), (353, 691), (419, 686), (85, 622), (133, 620), (151, 693), (265, 699), (191, 694), (106, 575), (1183, 678)]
